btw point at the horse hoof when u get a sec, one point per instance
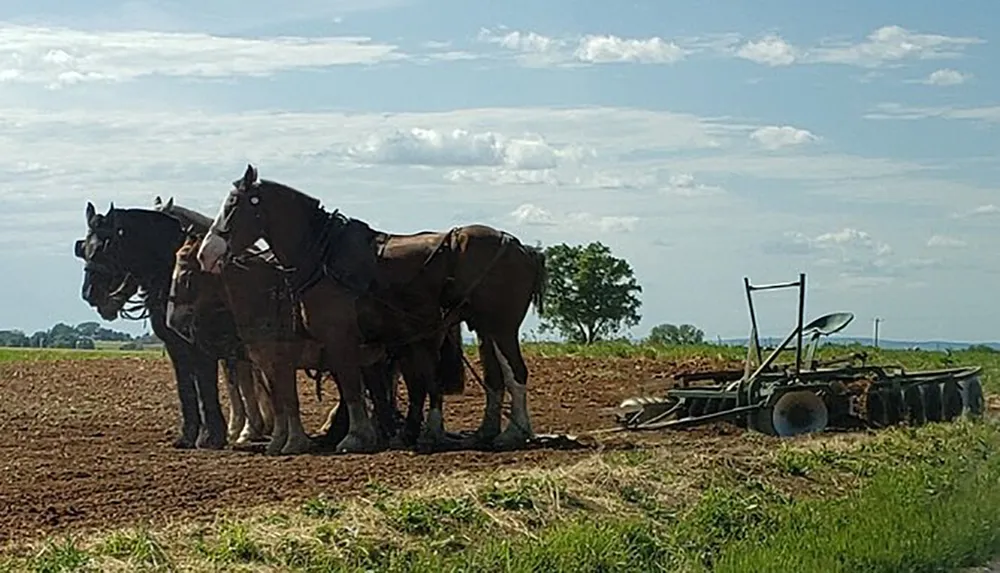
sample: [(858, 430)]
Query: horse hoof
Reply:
[(354, 444), (183, 444), (209, 442), (293, 447)]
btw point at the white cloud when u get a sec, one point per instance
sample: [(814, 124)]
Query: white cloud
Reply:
[(896, 111), (539, 50), (503, 177), (63, 56), (684, 185), (771, 50), (945, 242), (885, 46), (848, 249), (606, 49), (419, 146), (946, 77), (776, 137), (893, 44), (980, 211), (533, 215), (528, 214)]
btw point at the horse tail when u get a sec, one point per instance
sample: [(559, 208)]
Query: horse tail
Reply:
[(538, 288), (451, 366)]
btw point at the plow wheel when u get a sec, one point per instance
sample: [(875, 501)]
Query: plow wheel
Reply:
[(932, 401), (951, 400), (913, 402), (972, 397)]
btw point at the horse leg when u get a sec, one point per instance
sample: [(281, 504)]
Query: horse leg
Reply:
[(207, 382), (262, 398), (298, 441), (490, 426), (253, 429), (331, 318), (279, 431), (416, 392), (421, 367), (377, 380), (237, 411), (515, 377), (187, 393)]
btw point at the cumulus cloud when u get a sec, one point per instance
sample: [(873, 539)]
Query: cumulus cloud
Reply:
[(534, 215), (946, 77), (848, 250), (605, 49), (770, 50), (776, 137), (419, 146), (943, 241), (537, 49), (63, 56)]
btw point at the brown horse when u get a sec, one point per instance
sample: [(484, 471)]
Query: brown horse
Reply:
[(358, 285), (450, 369), (268, 324)]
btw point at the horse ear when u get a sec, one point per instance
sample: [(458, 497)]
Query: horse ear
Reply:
[(91, 211), (157, 201), (250, 176), (170, 204), (111, 207)]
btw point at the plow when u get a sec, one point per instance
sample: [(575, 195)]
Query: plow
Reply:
[(807, 395)]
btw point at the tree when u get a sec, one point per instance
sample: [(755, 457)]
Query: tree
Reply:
[(673, 334), (591, 294)]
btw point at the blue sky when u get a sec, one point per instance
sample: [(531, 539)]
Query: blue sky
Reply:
[(854, 141)]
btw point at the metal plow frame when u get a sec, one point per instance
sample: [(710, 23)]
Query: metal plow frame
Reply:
[(808, 395)]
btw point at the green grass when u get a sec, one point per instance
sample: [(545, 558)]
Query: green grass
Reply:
[(35, 354), (903, 499)]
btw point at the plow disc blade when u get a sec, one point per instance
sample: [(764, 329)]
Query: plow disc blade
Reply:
[(801, 412)]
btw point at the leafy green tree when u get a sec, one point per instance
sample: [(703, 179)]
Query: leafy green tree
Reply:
[(591, 293), (673, 334)]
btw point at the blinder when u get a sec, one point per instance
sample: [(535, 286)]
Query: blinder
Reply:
[(78, 249)]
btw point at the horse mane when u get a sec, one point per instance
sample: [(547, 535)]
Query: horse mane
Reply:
[(303, 197), (189, 216)]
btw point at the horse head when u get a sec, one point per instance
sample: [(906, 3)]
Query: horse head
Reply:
[(191, 289), (255, 209), (123, 251)]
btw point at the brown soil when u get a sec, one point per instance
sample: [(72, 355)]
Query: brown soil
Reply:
[(86, 444)]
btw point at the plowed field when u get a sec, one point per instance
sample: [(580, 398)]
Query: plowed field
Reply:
[(86, 443)]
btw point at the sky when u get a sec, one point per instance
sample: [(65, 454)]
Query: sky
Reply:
[(704, 142)]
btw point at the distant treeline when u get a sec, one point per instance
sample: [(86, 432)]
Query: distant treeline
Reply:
[(83, 335)]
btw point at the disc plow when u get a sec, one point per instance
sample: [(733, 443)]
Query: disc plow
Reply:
[(808, 395)]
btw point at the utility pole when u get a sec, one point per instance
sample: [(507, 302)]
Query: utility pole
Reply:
[(877, 321)]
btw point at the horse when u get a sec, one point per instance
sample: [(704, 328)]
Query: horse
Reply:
[(259, 297), (128, 253), (251, 415), (359, 285)]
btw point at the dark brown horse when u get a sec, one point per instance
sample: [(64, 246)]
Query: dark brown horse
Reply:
[(359, 286), (130, 252), (267, 320)]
